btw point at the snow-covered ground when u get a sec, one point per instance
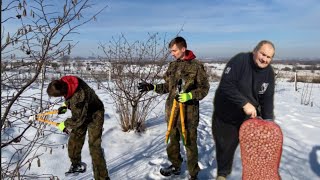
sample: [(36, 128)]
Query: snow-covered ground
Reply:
[(132, 156)]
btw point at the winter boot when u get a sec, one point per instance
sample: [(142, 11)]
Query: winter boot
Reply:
[(168, 171), (193, 178), (76, 168)]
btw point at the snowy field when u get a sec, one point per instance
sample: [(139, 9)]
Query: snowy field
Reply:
[(132, 156)]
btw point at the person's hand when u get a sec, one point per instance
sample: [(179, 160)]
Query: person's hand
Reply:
[(144, 87), (62, 128), (184, 97), (63, 108), (249, 109)]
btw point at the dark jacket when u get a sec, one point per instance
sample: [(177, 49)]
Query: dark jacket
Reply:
[(82, 101), (242, 82), (194, 76)]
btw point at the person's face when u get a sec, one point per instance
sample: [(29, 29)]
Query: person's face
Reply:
[(263, 56), (176, 52)]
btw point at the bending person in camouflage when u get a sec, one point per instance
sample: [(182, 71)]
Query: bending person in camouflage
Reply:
[(87, 113), (195, 88)]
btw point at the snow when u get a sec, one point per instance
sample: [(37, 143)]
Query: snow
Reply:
[(133, 156)]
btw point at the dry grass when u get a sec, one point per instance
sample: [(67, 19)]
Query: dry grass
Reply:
[(307, 79), (316, 79), (212, 75)]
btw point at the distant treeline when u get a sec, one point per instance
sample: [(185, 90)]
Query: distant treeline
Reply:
[(296, 62)]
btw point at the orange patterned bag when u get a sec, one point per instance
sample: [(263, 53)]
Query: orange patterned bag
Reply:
[(261, 148)]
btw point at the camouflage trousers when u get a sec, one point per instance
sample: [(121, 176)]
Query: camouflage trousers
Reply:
[(76, 141), (173, 149)]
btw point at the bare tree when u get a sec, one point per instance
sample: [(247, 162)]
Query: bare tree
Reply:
[(129, 63), (65, 61), (40, 37)]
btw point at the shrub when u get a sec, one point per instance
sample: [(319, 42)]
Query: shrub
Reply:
[(286, 69)]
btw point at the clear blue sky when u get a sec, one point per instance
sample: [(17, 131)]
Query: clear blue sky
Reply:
[(212, 28)]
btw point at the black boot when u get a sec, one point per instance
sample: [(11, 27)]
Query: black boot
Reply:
[(168, 171), (76, 168)]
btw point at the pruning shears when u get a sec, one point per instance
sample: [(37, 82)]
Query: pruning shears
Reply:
[(171, 120), (42, 117)]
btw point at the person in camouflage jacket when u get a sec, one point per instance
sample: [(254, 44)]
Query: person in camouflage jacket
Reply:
[(195, 88), (87, 114)]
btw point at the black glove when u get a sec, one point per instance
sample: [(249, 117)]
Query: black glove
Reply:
[(65, 130), (143, 87), (62, 109)]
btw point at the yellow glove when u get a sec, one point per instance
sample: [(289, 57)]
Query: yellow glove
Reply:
[(184, 97), (61, 126)]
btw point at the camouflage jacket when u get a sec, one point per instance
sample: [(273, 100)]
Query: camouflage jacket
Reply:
[(82, 101), (195, 80)]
